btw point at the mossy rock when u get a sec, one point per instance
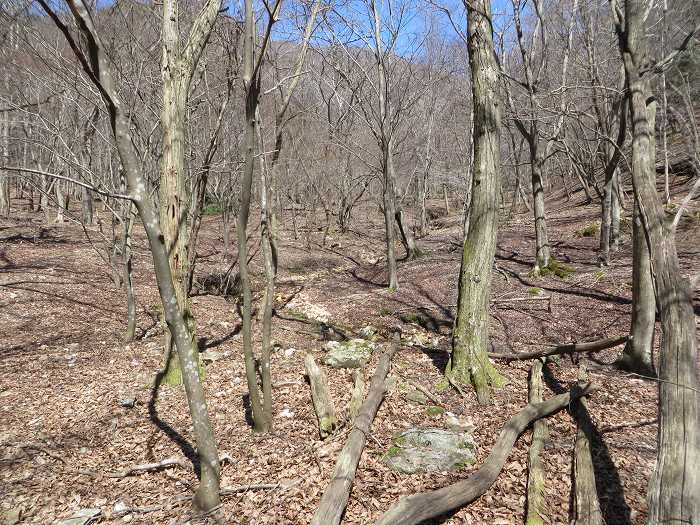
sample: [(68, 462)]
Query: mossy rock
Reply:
[(418, 397), (348, 354), (554, 268), (434, 411), (431, 450)]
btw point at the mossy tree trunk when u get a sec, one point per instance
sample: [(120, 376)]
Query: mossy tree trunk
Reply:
[(469, 362), (674, 489)]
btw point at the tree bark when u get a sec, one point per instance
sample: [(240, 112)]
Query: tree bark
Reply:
[(586, 504), (674, 491), (469, 362), (424, 506), (177, 68), (323, 404), (637, 356), (535, 468)]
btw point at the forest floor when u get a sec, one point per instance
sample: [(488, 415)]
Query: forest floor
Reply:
[(64, 369)]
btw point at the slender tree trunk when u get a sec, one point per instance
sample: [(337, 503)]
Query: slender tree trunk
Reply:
[(615, 213), (261, 419), (4, 159), (674, 491), (128, 275), (469, 361), (542, 249), (97, 66), (535, 468)]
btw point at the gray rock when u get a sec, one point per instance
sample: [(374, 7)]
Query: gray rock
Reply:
[(417, 397), (348, 354), (431, 450), (368, 332)]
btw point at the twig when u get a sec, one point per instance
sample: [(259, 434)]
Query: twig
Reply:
[(569, 348)]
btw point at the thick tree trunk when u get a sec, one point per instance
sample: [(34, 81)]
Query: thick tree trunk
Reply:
[(674, 491), (469, 362), (637, 355)]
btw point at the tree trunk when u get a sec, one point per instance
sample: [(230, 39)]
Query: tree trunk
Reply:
[(615, 213), (469, 362), (586, 504), (261, 419), (128, 274), (637, 354), (674, 490), (542, 249), (207, 494)]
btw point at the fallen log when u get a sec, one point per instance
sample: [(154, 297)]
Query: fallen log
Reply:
[(335, 497), (423, 506), (568, 348), (323, 404), (535, 469), (587, 506)]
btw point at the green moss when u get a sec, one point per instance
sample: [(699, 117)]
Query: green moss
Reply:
[(555, 268), (535, 291), (434, 411), (393, 452), (600, 275), (589, 231), (212, 209), (383, 311)]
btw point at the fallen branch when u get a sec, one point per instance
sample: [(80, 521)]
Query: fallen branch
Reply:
[(424, 506), (335, 497), (535, 469), (323, 404), (569, 348), (147, 467), (226, 491)]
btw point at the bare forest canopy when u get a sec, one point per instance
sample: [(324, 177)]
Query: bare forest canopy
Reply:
[(358, 261)]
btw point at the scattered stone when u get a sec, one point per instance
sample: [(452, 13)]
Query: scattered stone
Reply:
[(348, 354), (12, 517), (368, 332), (128, 402), (289, 352), (287, 413), (81, 517), (431, 450), (455, 422)]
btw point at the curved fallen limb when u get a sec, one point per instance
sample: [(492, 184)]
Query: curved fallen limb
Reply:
[(423, 506), (569, 348)]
